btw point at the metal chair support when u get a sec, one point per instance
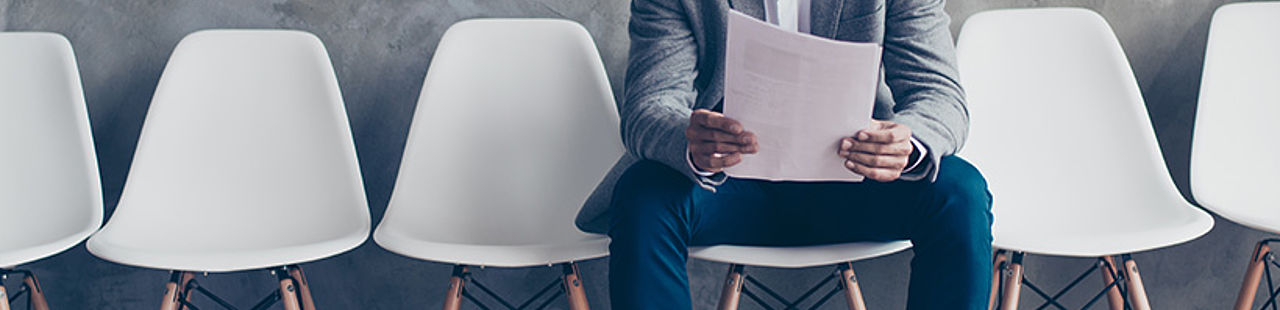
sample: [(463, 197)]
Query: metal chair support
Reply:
[(30, 288), (568, 283), (1117, 286), (290, 278), (1260, 265), (746, 285)]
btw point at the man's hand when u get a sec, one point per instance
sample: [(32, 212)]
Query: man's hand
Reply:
[(717, 142), (880, 152)]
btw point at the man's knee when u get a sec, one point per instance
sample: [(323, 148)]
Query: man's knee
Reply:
[(650, 190), (649, 180), (963, 191)]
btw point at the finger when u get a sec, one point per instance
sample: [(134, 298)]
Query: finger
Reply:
[(749, 148), (749, 139), (715, 120), (699, 116), (889, 133), (878, 174), (899, 148), (720, 147), (723, 161), (879, 161), (713, 135), (846, 147), (703, 164), (882, 124)]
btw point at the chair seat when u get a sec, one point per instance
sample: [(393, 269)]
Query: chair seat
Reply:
[(17, 251), (1261, 217), (1106, 236), (589, 246), (797, 257), (229, 257)]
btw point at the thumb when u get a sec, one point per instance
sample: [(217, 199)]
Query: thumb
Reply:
[(882, 125)]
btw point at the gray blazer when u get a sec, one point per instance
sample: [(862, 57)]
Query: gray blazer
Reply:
[(676, 65)]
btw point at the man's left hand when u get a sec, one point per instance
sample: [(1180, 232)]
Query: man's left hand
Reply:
[(880, 152)]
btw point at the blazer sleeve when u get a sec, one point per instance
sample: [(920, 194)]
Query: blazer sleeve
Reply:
[(920, 69), (659, 93)]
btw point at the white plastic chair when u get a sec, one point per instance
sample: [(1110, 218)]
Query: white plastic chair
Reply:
[(1060, 130), (515, 126), (50, 193), (245, 161), (1233, 165), (841, 256)]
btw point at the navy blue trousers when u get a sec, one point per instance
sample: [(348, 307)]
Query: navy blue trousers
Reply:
[(659, 213)]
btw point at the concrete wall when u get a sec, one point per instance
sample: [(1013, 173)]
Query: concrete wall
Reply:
[(381, 51)]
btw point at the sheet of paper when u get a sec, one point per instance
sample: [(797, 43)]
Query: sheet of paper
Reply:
[(800, 94)]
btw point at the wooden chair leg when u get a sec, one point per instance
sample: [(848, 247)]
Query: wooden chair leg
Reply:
[(997, 265), (1253, 275), (1133, 280), (171, 290), (1012, 282), (453, 301), (35, 292), (573, 290), (4, 298), (852, 293), (177, 282), (732, 292), (304, 289), (1109, 270), (288, 291)]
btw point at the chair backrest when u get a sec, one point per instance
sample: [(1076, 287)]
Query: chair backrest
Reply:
[(1058, 124), (1233, 154), (49, 185), (515, 126), (245, 144)]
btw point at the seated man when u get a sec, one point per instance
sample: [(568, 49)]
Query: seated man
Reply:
[(669, 191)]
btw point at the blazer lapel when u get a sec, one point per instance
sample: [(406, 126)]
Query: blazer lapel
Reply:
[(824, 17), (753, 8)]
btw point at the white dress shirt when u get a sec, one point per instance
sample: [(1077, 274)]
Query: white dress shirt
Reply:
[(791, 15)]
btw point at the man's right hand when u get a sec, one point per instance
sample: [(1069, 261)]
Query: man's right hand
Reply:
[(717, 142)]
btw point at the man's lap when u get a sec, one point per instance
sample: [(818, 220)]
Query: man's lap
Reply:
[(754, 212)]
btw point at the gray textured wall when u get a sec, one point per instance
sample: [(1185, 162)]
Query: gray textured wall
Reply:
[(381, 51)]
